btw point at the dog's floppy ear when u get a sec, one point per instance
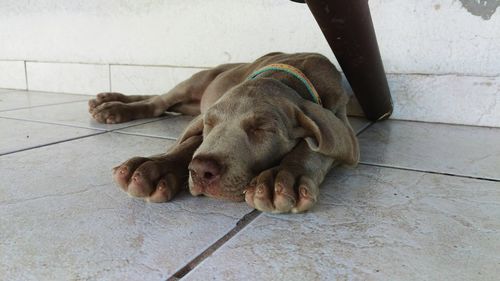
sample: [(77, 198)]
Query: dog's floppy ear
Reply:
[(195, 128), (326, 133), (191, 138)]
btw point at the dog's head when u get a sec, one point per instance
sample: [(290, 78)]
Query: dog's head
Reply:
[(251, 128)]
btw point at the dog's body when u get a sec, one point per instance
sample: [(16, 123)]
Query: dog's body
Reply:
[(262, 139)]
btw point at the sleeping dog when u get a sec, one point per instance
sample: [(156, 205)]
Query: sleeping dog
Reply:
[(266, 132)]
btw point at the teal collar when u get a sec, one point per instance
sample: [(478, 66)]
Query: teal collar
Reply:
[(292, 71)]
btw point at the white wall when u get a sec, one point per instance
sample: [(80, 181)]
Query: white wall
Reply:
[(442, 57)]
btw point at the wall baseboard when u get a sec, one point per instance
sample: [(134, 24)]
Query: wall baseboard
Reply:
[(456, 99)]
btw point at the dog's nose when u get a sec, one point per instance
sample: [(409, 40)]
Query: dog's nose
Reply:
[(205, 170)]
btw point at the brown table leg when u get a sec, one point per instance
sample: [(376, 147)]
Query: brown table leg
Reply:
[(348, 28)]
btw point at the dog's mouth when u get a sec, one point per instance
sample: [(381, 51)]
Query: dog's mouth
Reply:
[(215, 188), (214, 192)]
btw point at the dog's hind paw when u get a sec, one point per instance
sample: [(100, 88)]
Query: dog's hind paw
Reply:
[(110, 108), (112, 112)]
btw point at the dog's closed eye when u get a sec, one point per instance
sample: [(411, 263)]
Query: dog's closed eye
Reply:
[(257, 128), (209, 122)]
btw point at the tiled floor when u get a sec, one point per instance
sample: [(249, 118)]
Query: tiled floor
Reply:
[(423, 205), (10, 99)]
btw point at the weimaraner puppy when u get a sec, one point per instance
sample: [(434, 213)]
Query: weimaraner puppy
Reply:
[(266, 132)]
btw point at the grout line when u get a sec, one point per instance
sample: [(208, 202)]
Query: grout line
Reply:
[(26, 75), (428, 172), (90, 96), (41, 105), (440, 123), (118, 64), (48, 92), (76, 126), (4, 90), (247, 219), (163, 65), (240, 225), (109, 77), (134, 125), (464, 74), (365, 128), (57, 124), (52, 143), (145, 135)]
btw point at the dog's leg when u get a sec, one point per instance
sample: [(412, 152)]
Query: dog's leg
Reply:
[(111, 96), (293, 185), (184, 98), (158, 178)]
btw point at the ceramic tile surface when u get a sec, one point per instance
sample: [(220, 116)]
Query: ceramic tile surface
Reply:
[(470, 151), (62, 218), (71, 114), (170, 127), (12, 99), (17, 135), (358, 123), (372, 223)]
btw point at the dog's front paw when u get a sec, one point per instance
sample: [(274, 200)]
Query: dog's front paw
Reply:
[(155, 180), (281, 190)]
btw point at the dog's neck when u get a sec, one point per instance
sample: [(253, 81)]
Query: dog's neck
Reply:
[(290, 76)]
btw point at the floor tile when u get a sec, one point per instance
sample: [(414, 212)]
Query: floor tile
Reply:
[(372, 223), (16, 135), (62, 218), (170, 127), (461, 150), (358, 123), (173, 126), (12, 99), (71, 114)]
